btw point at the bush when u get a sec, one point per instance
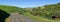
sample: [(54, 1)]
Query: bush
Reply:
[(3, 15)]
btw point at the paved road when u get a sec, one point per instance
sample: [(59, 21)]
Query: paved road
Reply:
[(15, 17)]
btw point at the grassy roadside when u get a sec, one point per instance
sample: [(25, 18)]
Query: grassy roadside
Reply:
[(38, 18), (8, 19)]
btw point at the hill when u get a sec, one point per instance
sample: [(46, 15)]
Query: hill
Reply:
[(48, 13), (10, 8)]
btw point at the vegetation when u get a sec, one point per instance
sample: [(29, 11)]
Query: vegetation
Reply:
[(47, 12), (10, 9), (7, 19)]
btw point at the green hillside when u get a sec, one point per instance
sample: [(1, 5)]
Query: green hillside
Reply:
[(44, 13), (10, 8)]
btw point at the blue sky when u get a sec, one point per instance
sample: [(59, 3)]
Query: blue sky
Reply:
[(28, 3)]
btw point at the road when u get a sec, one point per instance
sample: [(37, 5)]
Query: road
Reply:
[(15, 17)]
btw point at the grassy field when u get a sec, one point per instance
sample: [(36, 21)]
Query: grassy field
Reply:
[(40, 19)]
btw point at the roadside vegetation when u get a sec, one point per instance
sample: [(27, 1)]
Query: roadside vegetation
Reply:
[(7, 19)]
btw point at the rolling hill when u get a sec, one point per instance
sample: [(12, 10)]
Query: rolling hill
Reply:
[(10, 8)]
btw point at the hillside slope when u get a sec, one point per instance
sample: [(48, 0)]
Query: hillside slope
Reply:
[(10, 8), (44, 13)]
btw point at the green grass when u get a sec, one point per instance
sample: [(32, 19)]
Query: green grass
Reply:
[(10, 8), (38, 18)]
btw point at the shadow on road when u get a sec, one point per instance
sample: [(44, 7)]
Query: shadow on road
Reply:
[(3, 15)]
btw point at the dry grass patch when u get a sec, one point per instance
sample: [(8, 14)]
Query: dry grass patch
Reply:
[(8, 19)]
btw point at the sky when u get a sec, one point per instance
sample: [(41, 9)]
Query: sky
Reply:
[(27, 3)]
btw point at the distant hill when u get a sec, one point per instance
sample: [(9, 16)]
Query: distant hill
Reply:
[(10, 8)]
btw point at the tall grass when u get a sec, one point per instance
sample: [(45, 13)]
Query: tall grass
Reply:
[(38, 18)]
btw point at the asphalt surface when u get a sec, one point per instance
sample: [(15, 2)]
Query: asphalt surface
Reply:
[(15, 17)]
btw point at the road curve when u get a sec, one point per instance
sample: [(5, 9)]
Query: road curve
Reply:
[(15, 17)]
